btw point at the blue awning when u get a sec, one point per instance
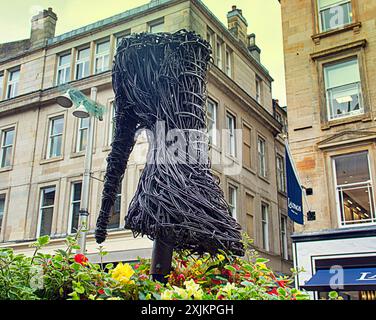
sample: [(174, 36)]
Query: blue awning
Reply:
[(348, 279)]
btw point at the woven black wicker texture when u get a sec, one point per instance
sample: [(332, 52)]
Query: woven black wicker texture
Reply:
[(160, 85)]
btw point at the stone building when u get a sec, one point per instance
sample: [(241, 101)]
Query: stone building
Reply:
[(330, 54), (43, 145)]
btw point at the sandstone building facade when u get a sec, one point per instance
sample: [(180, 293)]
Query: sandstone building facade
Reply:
[(330, 54), (43, 145)]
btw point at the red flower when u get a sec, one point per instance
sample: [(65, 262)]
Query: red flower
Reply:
[(273, 292), (221, 297), (236, 266), (136, 266), (216, 281), (101, 291), (181, 277), (81, 259), (282, 283), (158, 287)]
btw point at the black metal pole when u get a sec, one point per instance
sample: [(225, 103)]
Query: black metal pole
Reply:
[(161, 261)]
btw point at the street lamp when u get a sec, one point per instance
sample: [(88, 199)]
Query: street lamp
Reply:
[(85, 108)]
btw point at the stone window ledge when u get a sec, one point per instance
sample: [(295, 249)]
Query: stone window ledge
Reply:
[(332, 123), (353, 26), (51, 160)]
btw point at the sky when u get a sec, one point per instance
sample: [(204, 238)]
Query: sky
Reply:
[(263, 16)]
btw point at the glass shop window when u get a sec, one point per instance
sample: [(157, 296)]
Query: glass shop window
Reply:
[(354, 189)]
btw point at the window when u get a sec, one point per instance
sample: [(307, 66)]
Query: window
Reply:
[(46, 211), (258, 89), (354, 189), (12, 87), (63, 69), (114, 222), (210, 38), (229, 63), (343, 89), (231, 141), (83, 63), (120, 37), (219, 54), (75, 203), (247, 143), (232, 201), (1, 85), (265, 226), (212, 121), (2, 210), (284, 243), (334, 14), (280, 163), (249, 212), (102, 57), (156, 27), (7, 142), (278, 117), (261, 148), (55, 138), (83, 129), (111, 131)]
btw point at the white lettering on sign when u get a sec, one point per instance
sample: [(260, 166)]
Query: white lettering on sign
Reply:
[(367, 276), (294, 206)]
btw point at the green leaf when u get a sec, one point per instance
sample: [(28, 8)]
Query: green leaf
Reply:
[(107, 292), (262, 260), (42, 241), (333, 295), (231, 268)]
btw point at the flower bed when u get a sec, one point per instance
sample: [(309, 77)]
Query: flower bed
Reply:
[(66, 275)]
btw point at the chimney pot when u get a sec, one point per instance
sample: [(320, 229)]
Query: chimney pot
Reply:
[(234, 7)]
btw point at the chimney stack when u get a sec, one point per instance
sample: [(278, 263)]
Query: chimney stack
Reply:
[(253, 48), (237, 24), (43, 26)]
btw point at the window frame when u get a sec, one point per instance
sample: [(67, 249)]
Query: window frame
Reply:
[(231, 142), (40, 208), (229, 63), (248, 145), (265, 226), (3, 132), (63, 68), (11, 84), (258, 86), (284, 237), (341, 223), (219, 52), (3, 219), (102, 56), (2, 84), (214, 136), (263, 174), (156, 23), (319, 21), (79, 148), (338, 54), (233, 206), (49, 136), (82, 62), (72, 202), (281, 173)]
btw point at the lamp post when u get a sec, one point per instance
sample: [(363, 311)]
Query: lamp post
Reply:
[(85, 108)]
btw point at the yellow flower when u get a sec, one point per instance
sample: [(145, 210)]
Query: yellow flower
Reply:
[(123, 273), (199, 262), (262, 265), (167, 295), (220, 257)]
